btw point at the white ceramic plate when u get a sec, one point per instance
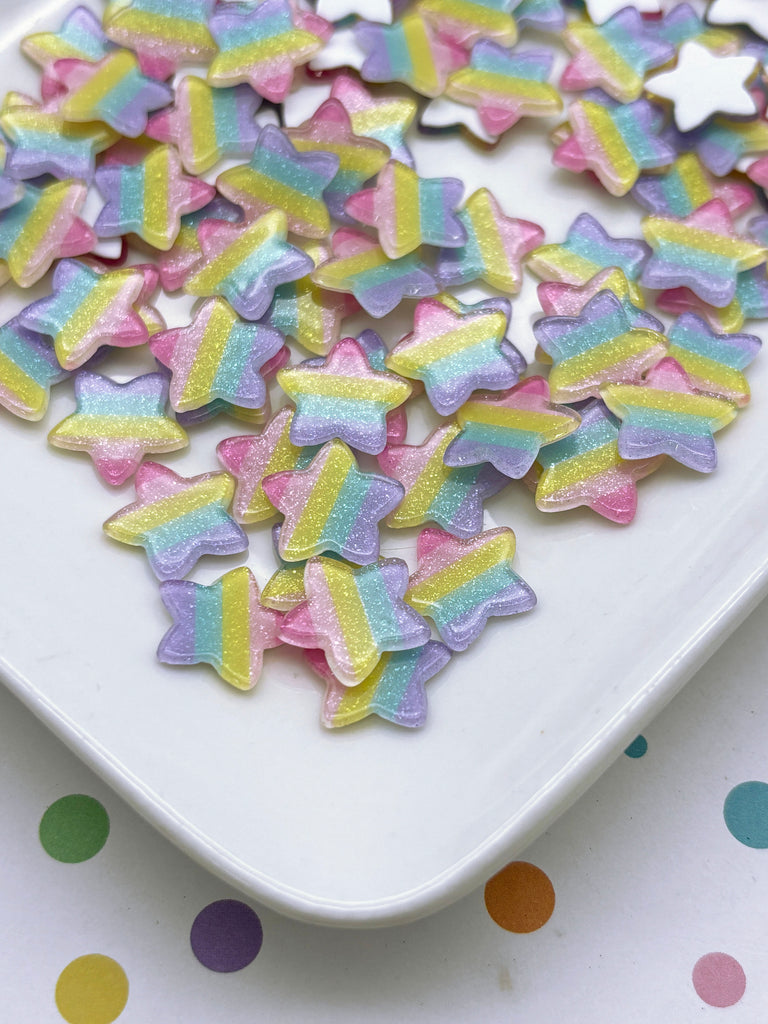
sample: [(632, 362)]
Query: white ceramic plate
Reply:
[(373, 824)]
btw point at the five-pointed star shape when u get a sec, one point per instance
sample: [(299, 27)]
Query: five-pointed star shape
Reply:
[(245, 263), (704, 84), (342, 397), (408, 51), (163, 37), (384, 118), (509, 428), (217, 356), (354, 615), (178, 519), (105, 314), (331, 506), (459, 584), (224, 625), (436, 492), (713, 361), (158, 176), (79, 38), (752, 13), (118, 424)]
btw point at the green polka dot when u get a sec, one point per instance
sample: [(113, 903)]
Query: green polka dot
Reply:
[(74, 828), (637, 747)]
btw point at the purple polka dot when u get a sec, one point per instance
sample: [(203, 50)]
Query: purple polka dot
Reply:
[(226, 936), (719, 979)]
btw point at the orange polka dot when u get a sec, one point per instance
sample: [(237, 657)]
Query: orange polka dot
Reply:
[(520, 898)]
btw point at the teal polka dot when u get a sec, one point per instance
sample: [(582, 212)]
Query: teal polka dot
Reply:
[(637, 747), (746, 814)]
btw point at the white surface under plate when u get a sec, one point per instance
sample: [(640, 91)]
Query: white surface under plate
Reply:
[(375, 824)]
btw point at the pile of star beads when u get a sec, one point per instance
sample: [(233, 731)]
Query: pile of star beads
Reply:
[(361, 618)]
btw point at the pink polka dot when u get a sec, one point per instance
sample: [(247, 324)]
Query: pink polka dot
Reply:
[(719, 979)]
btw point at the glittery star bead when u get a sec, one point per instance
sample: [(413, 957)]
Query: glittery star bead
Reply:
[(408, 210), (149, 198), (163, 35), (385, 119), (44, 143), (394, 690), (703, 84), (331, 506), (713, 362), (28, 368), (246, 263), (597, 347), (355, 615), (223, 625), (749, 302), (87, 309), (507, 430), (495, 247), (505, 86), (280, 177), (665, 415), (185, 256), (435, 492), (686, 186), (464, 22), (460, 584), (261, 45), (178, 519), (615, 56), (113, 91), (360, 266), (218, 356), (585, 468), (454, 354), (702, 252), (342, 397), (79, 38), (558, 299), (740, 12), (722, 142), (408, 51), (41, 227), (252, 458), (118, 424)]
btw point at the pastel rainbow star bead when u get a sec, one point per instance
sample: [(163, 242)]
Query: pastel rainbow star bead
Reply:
[(262, 45), (713, 362), (505, 85), (218, 356), (507, 430), (360, 266), (206, 124), (460, 584), (164, 35), (245, 263), (113, 91), (495, 246), (435, 492), (177, 264), (42, 226), (80, 38), (394, 690), (280, 177), (408, 211), (454, 354), (588, 249), (559, 299), (178, 519), (354, 615), (702, 251), (224, 625), (749, 303), (682, 23), (598, 346), (385, 119), (686, 186), (360, 158), (44, 143), (343, 397), (118, 424), (28, 369), (149, 198), (614, 56), (667, 416), (331, 506), (585, 468), (88, 308), (408, 51), (463, 22), (722, 142)]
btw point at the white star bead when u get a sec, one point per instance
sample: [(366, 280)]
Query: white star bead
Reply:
[(703, 84), (601, 10), (342, 51), (753, 13)]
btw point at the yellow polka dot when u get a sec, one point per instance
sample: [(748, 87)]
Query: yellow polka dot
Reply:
[(92, 990)]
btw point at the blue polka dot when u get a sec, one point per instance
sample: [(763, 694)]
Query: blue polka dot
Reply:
[(746, 814), (637, 747)]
